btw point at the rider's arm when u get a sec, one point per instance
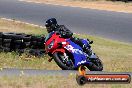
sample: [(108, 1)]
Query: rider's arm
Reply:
[(65, 32)]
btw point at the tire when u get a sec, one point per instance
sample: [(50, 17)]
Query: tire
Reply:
[(96, 65), (0, 41), (27, 44), (14, 36), (59, 62), (18, 41), (33, 43), (6, 45), (7, 40), (20, 34), (16, 44), (8, 35), (81, 80), (27, 38), (39, 43), (1, 48), (39, 39), (17, 47), (33, 38), (1, 34)]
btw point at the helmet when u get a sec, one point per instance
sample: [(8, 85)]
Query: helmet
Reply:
[(51, 25)]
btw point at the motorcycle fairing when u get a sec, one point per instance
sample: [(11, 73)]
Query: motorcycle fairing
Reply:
[(78, 54), (84, 41), (87, 44), (93, 56)]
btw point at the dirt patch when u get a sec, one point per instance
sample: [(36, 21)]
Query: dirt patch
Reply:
[(101, 5)]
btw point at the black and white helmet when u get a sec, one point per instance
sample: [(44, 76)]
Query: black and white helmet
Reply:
[(51, 25)]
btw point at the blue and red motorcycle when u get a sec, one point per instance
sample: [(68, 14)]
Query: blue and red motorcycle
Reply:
[(68, 55)]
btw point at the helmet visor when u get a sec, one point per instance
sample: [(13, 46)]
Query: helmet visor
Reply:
[(47, 25), (48, 29)]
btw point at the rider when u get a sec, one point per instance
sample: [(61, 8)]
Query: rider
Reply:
[(52, 25)]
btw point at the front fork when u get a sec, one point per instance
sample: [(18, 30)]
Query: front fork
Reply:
[(57, 50), (65, 58), (68, 61)]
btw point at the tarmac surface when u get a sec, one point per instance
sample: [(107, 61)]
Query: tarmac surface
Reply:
[(35, 72), (107, 24)]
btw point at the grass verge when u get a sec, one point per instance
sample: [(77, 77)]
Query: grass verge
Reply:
[(51, 82)]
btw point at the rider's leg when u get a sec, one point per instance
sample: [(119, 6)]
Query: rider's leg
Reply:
[(81, 44), (77, 41)]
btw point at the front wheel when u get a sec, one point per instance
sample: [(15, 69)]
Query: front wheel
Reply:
[(96, 65), (62, 63), (81, 80)]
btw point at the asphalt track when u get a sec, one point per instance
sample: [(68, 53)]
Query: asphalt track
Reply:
[(108, 24), (34, 72)]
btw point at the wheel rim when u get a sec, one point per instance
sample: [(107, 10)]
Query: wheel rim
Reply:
[(68, 63), (97, 62)]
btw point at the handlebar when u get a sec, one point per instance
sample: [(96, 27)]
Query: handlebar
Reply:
[(90, 42)]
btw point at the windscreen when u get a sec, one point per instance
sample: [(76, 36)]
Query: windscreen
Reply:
[(49, 36)]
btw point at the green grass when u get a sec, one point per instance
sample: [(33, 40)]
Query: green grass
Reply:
[(116, 56), (26, 61)]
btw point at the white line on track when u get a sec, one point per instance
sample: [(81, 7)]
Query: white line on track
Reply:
[(22, 22), (27, 23)]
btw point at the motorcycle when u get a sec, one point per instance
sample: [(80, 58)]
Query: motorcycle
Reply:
[(68, 55)]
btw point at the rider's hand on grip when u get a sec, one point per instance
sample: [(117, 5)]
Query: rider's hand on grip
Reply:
[(91, 42)]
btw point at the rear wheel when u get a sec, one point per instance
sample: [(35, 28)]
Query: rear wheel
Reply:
[(62, 62)]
